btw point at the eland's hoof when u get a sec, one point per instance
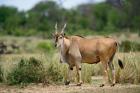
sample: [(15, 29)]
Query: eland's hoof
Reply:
[(102, 85), (67, 82), (112, 85), (79, 84)]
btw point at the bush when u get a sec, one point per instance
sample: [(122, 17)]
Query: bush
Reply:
[(46, 46), (53, 74), (86, 73), (131, 71), (34, 71), (128, 46), (27, 71), (23, 32)]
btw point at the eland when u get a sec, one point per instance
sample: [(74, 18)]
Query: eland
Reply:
[(75, 50)]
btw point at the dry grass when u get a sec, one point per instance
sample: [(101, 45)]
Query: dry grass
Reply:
[(29, 48), (130, 73)]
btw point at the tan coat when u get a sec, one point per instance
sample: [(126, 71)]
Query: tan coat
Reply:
[(89, 51), (75, 50)]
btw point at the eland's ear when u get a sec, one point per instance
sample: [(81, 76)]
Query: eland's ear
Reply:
[(63, 28), (63, 34)]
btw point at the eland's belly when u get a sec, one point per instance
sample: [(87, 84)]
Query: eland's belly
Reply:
[(90, 59)]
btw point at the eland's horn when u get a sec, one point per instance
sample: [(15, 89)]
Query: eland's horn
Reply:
[(56, 27), (64, 28)]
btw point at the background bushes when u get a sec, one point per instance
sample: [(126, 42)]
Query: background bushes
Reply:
[(27, 71), (53, 74), (46, 46), (127, 46), (34, 71), (85, 18), (31, 70)]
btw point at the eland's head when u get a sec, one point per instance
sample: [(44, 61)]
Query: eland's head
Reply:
[(59, 36)]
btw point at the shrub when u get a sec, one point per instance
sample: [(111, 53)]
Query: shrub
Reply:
[(34, 71), (53, 74), (131, 71), (128, 46), (86, 73), (27, 71), (45, 46)]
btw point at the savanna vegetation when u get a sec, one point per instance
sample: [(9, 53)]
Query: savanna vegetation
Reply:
[(38, 62), (30, 55), (85, 19)]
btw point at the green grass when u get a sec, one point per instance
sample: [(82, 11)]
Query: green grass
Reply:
[(46, 46)]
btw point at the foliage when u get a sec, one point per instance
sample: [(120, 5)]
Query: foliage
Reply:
[(131, 71), (54, 74), (46, 46), (92, 17), (27, 71), (127, 46), (34, 71)]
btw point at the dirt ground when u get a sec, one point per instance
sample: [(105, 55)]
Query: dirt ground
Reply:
[(72, 88), (85, 88)]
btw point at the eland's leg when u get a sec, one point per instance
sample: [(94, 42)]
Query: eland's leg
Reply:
[(79, 77), (111, 66), (70, 69), (106, 69)]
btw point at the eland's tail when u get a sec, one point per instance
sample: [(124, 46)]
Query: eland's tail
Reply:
[(120, 64)]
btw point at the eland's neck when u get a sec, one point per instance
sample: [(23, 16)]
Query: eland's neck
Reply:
[(63, 49), (65, 45)]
